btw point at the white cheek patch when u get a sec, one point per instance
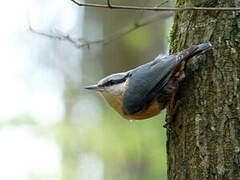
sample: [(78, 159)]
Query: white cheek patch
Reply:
[(115, 89)]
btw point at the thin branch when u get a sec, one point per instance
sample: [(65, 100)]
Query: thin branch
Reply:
[(81, 42), (109, 3), (79, 3), (77, 42), (159, 5)]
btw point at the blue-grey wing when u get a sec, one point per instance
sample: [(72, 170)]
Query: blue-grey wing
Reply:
[(147, 80), (143, 80)]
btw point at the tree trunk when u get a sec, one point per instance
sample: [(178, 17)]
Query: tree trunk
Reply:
[(205, 139)]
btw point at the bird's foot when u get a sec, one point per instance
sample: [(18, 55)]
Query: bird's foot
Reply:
[(170, 115)]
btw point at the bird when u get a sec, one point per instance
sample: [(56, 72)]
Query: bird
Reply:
[(143, 92)]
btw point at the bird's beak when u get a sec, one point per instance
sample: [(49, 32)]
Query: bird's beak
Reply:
[(94, 87)]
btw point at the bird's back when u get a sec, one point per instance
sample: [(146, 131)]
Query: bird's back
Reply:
[(147, 81)]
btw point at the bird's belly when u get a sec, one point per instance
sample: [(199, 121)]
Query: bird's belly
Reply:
[(152, 110)]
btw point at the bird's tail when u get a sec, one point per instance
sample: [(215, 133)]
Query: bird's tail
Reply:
[(200, 48), (194, 50)]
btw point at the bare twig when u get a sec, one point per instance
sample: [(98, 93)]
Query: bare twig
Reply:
[(77, 42), (81, 42), (109, 3), (161, 4), (62, 37), (79, 3), (143, 12)]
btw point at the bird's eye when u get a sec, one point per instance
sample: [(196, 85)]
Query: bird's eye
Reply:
[(109, 83)]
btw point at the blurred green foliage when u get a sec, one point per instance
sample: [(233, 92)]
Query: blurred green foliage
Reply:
[(130, 150), (135, 40)]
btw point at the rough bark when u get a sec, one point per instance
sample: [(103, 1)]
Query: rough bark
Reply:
[(205, 139)]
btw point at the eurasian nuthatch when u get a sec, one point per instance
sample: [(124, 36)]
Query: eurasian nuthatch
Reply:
[(144, 91)]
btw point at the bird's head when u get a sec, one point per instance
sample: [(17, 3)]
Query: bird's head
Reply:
[(113, 84)]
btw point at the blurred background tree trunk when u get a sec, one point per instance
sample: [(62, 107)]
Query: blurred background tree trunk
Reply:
[(120, 55), (205, 138)]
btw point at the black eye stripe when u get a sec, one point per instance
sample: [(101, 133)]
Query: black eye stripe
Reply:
[(112, 82), (115, 81)]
